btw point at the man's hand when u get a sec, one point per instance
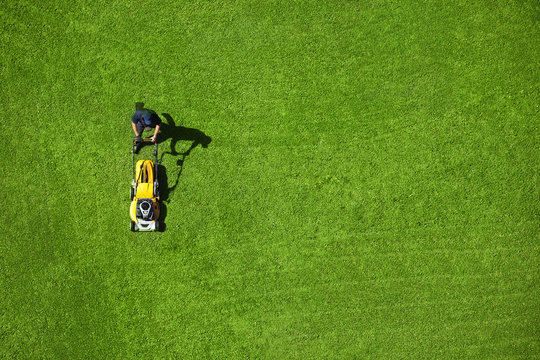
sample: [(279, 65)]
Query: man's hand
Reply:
[(153, 138)]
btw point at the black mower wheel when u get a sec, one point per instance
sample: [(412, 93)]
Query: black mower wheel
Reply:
[(133, 226), (157, 225), (132, 193)]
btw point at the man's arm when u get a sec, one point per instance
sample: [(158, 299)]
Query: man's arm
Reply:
[(134, 126), (155, 133)]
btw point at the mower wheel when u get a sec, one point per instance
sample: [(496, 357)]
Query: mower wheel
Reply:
[(133, 226), (132, 192), (157, 225)]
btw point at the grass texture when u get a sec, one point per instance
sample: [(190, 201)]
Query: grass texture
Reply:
[(370, 190)]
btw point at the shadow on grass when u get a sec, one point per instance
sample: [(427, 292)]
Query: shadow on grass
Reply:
[(163, 195), (169, 130)]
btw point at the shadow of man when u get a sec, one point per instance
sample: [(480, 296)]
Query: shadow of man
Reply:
[(169, 130)]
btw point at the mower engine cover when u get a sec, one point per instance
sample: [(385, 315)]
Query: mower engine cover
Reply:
[(144, 209)]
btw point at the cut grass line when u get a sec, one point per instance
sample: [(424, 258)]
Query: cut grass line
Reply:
[(462, 323), (325, 288), (452, 278), (522, 339), (444, 251), (374, 253), (397, 306), (464, 350)]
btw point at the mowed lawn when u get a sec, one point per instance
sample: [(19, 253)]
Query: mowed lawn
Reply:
[(370, 189)]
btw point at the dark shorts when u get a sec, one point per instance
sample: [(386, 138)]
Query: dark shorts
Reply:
[(141, 126)]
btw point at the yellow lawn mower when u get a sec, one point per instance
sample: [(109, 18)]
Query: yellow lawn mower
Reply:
[(144, 209)]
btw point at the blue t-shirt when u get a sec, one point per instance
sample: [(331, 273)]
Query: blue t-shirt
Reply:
[(147, 117)]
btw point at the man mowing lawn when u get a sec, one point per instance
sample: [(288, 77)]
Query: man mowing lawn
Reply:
[(144, 120)]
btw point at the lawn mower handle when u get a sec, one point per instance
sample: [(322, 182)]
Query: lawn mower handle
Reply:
[(155, 156)]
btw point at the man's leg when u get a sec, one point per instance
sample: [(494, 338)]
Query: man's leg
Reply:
[(137, 144)]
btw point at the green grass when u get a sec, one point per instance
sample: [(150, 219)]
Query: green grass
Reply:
[(370, 191)]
